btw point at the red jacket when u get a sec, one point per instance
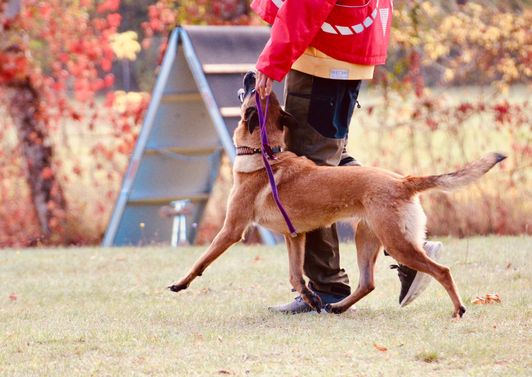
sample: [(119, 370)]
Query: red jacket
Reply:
[(356, 31)]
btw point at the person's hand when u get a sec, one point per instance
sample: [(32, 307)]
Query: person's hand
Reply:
[(263, 85)]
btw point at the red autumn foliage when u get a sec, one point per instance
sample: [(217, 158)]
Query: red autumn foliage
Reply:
[(67, 66)]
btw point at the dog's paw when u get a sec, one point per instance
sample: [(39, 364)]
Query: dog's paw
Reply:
[(460, 312), (331, 309), (314, 301), (177, 287)]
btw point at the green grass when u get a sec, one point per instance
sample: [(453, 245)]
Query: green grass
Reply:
[(105, 312)]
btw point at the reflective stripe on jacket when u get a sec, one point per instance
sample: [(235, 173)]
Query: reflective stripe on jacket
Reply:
[(355, 31)]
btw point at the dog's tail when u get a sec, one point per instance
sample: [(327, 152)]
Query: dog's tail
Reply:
[(462, 177)]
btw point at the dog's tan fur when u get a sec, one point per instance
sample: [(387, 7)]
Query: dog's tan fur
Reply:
[(386, 204)]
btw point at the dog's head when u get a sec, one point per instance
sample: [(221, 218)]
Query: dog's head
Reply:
[(247, 133)]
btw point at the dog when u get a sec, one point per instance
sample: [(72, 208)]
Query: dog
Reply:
[(386, 205)]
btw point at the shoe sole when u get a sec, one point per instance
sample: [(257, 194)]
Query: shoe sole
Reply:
[(282, 311), (422, 280), (350, 163)]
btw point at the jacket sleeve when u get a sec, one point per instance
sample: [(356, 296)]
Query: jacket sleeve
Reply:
[(295, 26)]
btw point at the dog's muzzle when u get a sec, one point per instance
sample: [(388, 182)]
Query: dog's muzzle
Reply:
[(249, 86), (242, 94)]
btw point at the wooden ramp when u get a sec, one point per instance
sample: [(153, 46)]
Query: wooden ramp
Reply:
[(188, 125)]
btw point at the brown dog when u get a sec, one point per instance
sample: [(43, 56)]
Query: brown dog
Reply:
[(316, 196)]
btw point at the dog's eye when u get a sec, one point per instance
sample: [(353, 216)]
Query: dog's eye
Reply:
[(241, 92)]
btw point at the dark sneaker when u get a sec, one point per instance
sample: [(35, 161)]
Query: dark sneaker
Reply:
[(295, 307), (347, 160), (413, 282), (299, 306)]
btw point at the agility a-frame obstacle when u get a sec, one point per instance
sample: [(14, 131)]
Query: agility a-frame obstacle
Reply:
[(188, 125)]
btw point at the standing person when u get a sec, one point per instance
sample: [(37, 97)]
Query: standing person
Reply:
[(325, 48)]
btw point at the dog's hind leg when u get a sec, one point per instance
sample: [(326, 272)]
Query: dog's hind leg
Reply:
[(296, 257), (230, 234), (415, 257), (368, 247)]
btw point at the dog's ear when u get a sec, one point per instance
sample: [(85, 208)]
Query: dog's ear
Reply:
[(288, 120), (251, 118)]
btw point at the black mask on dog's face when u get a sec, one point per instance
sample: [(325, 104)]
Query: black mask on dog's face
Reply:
[(249, 87), (250, 116)]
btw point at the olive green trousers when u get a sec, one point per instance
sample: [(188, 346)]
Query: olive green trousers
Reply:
[(323, 109)]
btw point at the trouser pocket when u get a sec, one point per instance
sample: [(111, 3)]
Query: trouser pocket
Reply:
[(332, 103)]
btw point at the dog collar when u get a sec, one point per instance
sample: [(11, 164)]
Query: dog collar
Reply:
[(247, 151)]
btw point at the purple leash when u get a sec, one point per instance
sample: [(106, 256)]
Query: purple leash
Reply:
[(267, 153)]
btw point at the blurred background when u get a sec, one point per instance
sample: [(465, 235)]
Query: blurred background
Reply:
[(76, 77)]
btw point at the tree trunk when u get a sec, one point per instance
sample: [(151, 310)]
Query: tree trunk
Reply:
[(47, 195), (24, 106)]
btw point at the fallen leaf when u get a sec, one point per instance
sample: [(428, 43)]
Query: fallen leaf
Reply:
[(493, 297), (223, 371), (380, 348), (490, 298), (13, 297)]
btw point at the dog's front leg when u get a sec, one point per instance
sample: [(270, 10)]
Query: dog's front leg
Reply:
[(296, 257), (225, 238), (368, 248)]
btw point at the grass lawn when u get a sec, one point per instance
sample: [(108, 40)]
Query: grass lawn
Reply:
[(105, 312)]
